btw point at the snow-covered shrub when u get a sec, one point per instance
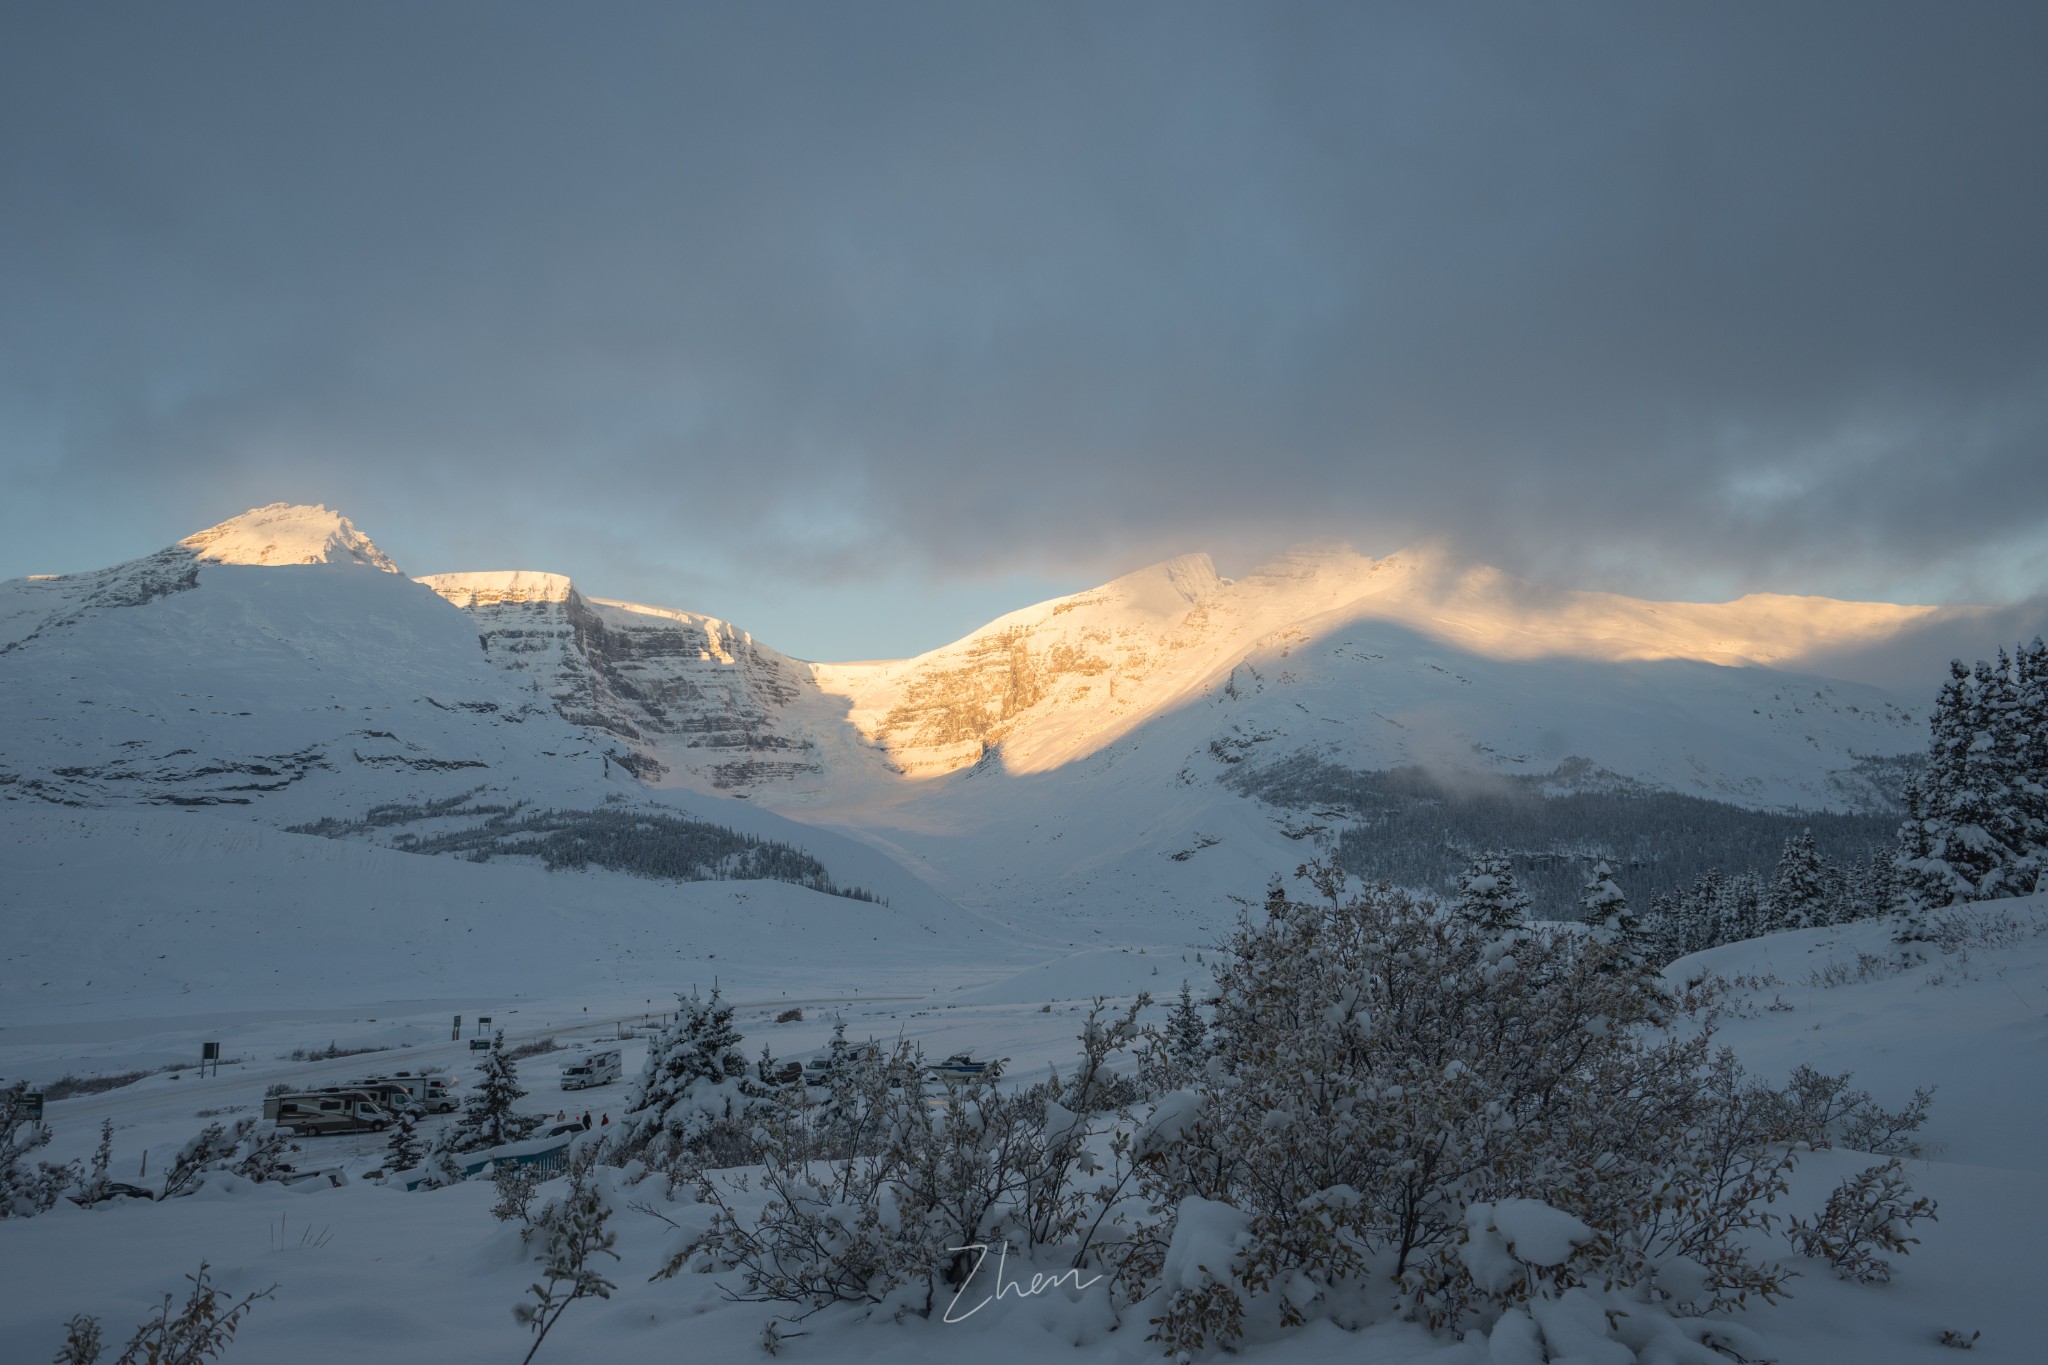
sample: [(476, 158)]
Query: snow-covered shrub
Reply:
[(93, 1187), (573, 1231), (516, 1186), (200, 1331), (1868, 1215), (26, 1190), (1381, 1070), (489, 1118), (246, 1150), (1826, 1112), (876, 1196)]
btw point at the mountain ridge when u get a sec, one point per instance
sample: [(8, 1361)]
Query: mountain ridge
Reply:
[(1172, 735)]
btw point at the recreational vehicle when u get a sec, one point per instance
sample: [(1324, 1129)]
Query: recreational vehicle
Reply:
[(599, 1068)]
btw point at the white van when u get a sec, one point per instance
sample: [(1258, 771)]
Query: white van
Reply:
[(599, 1068)]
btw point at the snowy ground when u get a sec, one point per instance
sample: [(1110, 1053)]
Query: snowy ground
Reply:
[(430, 1277)]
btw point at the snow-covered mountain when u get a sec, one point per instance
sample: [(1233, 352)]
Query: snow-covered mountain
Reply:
[(674, 689), (1391, 649), (1137, 738), (279, 668)]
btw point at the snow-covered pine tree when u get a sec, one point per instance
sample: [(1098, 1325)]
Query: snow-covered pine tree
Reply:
[(1187, 1033), (1800, 894), (1603, 906), (404, 1150), (1874, 890), (1662, 932), (694, 1079), (838, 1052), (1967, 832), (1706, 911), (1741, 910), (1488, 899), (490, 1118), (2030, 707), (1989, 814)]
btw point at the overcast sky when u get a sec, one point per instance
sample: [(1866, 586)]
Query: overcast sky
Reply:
[(859, 324)]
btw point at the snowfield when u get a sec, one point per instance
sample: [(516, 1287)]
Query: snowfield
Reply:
[(431, 1277)]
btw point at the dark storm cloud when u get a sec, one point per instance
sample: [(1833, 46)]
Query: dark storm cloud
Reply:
[(1685, 298)]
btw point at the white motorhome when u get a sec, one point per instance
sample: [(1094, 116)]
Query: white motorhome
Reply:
[(432, 1092), (599, 1068), (327, 1111), (394, 1095)]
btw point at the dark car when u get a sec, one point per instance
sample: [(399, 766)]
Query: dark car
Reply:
[(114, 1189)]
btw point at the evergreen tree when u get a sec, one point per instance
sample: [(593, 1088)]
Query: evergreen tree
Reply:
[(1187, 1033), (2030, 723), (489, 1118), (838, 1051), (1602, 905), (1967, 835), (1488, 900), (1741, 911), (1704, 904), (1800, 894), (1663, 934), (695, 1076), (404, 1150)]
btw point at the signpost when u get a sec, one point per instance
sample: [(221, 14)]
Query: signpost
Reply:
[(483, 1021), (456, 1036), (33, 1106), (209, 1052)]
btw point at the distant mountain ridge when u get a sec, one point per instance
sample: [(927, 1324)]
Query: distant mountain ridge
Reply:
[(281, 661)]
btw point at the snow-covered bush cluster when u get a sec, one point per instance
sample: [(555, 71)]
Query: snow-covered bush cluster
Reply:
[(1868, 1215), (26, 1187), (1393, 1091), (878, 1193), (246, 1150), (1396, 1110)]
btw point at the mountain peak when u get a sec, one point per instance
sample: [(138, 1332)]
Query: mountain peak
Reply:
[(285, 533), (513, 586)]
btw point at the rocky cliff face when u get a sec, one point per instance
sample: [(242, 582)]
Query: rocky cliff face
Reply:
[(1371, 663), (686, 696)]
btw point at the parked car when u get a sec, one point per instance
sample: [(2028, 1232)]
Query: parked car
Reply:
[(114, 1189)]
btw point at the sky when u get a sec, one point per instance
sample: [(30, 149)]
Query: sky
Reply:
[(859, 325)]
